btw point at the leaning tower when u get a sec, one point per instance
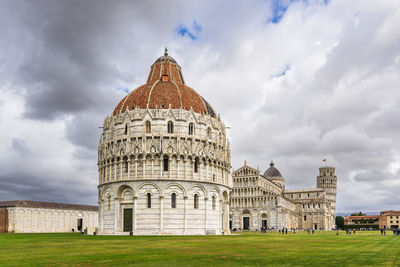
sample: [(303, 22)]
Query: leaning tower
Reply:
[(328, 181)]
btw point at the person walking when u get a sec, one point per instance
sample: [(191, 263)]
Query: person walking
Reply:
[(286, 230), (381, 231)]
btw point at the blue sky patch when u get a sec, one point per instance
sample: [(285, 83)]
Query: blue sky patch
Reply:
[(123, 89), (279, 8), (191, 32)]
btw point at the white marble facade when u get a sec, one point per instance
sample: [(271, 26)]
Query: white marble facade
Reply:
[(258, 201), (139, 154)]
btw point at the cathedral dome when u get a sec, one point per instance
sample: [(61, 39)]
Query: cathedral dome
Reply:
[(272, 172), (165, 87)]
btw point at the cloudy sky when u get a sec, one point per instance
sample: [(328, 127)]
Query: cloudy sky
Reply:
[(297, 81)]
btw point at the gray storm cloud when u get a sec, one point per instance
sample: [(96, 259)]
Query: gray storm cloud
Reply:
[(319, 82)]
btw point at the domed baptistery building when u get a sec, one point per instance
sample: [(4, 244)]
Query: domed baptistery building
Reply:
[(164, 160)]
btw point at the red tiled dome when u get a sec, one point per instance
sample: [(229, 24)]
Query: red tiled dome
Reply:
[(165, 86)]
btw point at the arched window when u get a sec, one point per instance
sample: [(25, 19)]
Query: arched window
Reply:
[(149, 200), (126, 128), (191, 128), (196, 201), (126, 166), (166, 163), (108, 202), (196, 165), (148, 127), (170, 127), (214, 204), (209, 132), (173, 200)]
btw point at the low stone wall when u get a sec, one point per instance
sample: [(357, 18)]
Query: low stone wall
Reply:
[(40, 220)]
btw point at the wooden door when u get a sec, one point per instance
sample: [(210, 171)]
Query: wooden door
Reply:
[(128, 220), (246, 223)]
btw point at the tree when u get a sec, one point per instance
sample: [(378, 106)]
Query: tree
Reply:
[(358, 214), (339, 222)]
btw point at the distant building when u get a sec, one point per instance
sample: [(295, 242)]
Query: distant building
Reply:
[(389, 219), (24, 216), (262, 201), (361, 221)]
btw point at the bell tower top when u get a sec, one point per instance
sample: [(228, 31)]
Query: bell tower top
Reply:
[(327, 171)]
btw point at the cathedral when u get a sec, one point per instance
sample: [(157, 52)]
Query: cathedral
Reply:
[(261, 201), (164, 160)]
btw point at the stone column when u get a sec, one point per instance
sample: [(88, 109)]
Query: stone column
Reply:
[(221, 215), (120, 170), (199, 169), (205, 215), (161, 214), (177, 167), (192, 172), (161, 165), (152, 167), (134, 214), (100, 175), (207, 176), (170, 166), (101, 212), (222, 175), (116, 214), (184, 169), (136, 163), (226, 219), (144, 167), (115, 171), (109, 171), (129, 168), (185, 214)]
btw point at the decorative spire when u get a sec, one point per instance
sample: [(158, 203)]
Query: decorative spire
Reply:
[(166, 52), (271, 164)]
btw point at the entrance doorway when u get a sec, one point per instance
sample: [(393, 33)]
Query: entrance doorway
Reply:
[(246, 223), (128, 220), (316, 226), (80, 224), (264, 224)]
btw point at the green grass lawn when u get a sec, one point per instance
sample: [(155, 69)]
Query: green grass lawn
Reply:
[(273, 249)]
